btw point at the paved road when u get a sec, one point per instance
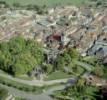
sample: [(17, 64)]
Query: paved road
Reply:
[(32, 96), (26, 95), (42, 83), (34, 82)]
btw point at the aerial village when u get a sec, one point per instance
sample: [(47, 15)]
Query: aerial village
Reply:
[(82, 28)]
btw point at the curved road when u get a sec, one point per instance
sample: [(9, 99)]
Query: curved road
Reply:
[(43, 96), (26, 95), (32, 96), (34, 82)]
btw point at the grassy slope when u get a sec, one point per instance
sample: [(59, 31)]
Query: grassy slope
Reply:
[(47, 2), (58, 75)]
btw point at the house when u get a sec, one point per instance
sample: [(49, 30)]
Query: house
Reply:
[(96, 81), (105, 60), (100, 53), (53, 40), (86, 12), (55, 37), (51, 55), (51, 11), (46, 23), (104, 29), (104, 20), (99, 50)]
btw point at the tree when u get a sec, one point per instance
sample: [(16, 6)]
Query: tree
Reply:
[(5, 5), (99, 3), (105, 72), (60, 63), (99, 70), (49, 68), (17, 5), (65, 59), (16, 45), (5, 60), (78, 91), (3, 93), (73, 53), (19, 56), (36, 50), (18, 69)]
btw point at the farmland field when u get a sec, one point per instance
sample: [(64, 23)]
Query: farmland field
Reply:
[(47, 2)]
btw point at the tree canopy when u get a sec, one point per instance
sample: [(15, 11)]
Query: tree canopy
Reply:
[(79, 91), (3, 94), (65, 59), (19, 56)]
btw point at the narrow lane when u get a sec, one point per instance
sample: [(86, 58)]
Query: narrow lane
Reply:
[(34, 82), (32, 96)]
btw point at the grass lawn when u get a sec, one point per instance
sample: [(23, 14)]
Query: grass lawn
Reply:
[(47, 2), (3, 72), (58, 75), (80, 71), (48, 87), (90, 59), (25, 77), (18, 98)]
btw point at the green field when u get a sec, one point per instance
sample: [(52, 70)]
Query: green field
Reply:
[(58, 75), (48, 3)]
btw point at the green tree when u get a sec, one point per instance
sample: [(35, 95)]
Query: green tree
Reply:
[(99, 70), (3, 93), (17, 5), (36, 50), (49, 68), (60, 63), (65, 59), (16, 45), (78, 91), (19, 56), (73, 53), (18, 69)]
